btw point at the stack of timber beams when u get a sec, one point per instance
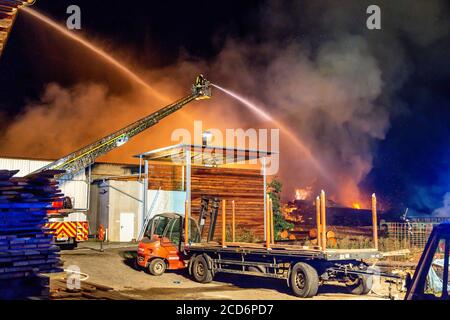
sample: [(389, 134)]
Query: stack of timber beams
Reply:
[(244, 186), (8, 12), (26, 249)]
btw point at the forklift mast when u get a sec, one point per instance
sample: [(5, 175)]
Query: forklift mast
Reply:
[(213, 217), (204, 206), (204, 209), (87, 155)]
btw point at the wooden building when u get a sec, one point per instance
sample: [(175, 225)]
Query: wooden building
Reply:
[(117, 195), (244, 186)]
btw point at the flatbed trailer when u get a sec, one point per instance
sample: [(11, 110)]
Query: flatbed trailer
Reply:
[(303, 268)]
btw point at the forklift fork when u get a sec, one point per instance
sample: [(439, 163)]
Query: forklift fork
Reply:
[(213, 217), (204, 207)]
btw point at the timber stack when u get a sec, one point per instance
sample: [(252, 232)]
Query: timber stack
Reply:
[(26, 249), (59, 290)]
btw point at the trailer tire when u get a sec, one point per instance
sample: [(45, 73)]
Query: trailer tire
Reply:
[(200, 270), (157, 267), (304, 280), (362, 286)]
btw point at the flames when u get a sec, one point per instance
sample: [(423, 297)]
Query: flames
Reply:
[(351, 201), (303, 193), (356, 205)]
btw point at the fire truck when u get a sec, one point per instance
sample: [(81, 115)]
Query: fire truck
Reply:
[(69, 230), (66, 230)]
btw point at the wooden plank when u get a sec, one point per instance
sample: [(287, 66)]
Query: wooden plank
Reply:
[(26, 251)]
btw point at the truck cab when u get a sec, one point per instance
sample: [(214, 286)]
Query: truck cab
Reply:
[(431, 278), (161, 248)]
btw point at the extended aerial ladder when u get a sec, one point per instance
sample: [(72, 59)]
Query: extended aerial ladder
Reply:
[(68, 232), (8, 13), (86, 156)]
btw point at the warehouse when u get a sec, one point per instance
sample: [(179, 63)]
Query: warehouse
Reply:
[(76, 187), (111, 194)]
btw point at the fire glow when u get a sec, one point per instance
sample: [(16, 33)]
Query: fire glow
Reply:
[(303, 193), (356, 205)]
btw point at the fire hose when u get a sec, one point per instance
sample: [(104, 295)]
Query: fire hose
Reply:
[(85, 275)]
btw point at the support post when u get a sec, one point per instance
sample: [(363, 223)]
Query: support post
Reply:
[(264, 194), (267, 213), (323, 220), (224, 224), (233, 221), (374, 221), (188, 179), (183, 187), (186, 223), (319, 227), (272, 229), (144, 196)]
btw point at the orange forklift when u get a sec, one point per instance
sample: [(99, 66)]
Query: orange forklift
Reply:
[(162, 246)]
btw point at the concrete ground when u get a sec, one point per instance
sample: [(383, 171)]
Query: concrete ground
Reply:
[(112, 268)]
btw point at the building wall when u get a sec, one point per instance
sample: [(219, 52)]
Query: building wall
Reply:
[(25, 166), (112, 197), (76, 188), (122, 197), (93, 214)]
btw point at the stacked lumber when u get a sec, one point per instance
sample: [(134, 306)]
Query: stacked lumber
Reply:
[(244, 186), (8, 12), (26, 250), (87, 291)]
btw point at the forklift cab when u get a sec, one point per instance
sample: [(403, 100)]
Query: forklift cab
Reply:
[(161, 247), (168, 227)]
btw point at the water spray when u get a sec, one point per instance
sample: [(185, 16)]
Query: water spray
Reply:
[(99, 52), (288, 132)]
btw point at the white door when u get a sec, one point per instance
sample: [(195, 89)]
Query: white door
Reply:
[(126, 227)]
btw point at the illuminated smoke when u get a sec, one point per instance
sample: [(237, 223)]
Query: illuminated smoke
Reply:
[(335, 88), (96, 50)]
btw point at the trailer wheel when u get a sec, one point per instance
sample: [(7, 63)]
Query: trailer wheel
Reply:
[(361, 285), (200, 270), (157, 267), (304, 280)]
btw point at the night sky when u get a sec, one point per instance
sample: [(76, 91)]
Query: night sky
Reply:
[(411, 164)]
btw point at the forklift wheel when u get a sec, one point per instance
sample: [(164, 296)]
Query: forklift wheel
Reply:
[(157, 267), (304, 280), (200, 270), (136, 265)]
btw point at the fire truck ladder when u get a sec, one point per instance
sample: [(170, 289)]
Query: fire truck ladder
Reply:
[(86, 156), (8, 13)]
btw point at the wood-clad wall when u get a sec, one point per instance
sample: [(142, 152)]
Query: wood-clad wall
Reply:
[(245, 186)]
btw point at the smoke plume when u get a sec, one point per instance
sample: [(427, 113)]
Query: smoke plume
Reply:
[(315, 67)]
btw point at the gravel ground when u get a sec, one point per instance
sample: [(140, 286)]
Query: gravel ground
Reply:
[(112, 268)]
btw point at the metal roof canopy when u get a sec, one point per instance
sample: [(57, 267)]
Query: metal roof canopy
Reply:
[(187, 155), (203, 155)]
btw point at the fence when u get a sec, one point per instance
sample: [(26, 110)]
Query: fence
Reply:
[(408, 235)]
